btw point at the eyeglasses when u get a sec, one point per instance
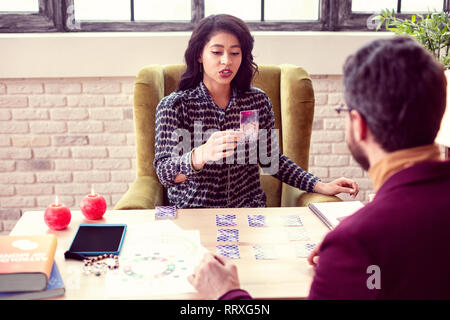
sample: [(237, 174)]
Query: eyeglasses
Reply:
[(343, 107)]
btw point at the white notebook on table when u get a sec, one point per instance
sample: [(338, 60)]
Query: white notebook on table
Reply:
[(332, 213)]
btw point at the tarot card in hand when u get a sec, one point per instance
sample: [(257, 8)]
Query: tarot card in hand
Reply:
[(231, 235), (229, 250), (165, 212), (225, 220), (250, 124)]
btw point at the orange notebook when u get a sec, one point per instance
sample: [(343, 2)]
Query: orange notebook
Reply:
[(26, 262)]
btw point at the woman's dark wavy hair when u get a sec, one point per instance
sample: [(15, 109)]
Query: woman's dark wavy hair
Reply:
[(202, 33)]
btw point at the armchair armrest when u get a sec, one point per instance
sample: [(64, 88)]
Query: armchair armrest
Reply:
[(145, 193), (293, 197), (306, 198)]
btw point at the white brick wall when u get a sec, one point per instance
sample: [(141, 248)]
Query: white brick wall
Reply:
[(329, 156), (59, 136)]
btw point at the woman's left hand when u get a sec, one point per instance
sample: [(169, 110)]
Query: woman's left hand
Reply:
[(341, 185)]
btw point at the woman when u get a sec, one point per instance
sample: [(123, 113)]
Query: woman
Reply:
[(213, 91)]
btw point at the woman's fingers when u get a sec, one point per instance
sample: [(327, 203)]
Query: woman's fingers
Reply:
[(348, 183), (221, 144), (226, 137)]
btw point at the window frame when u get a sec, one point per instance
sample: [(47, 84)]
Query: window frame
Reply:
[(55, 15), (138, 26), (344, 19), (48, 19)]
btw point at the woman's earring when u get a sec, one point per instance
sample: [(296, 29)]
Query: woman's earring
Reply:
[(201, 69)]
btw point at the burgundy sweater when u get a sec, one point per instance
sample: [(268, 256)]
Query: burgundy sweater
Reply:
[(396, 247)]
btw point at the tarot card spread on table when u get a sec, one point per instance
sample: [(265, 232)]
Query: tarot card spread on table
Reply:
[(165, 212), (225, 220), (231, 235), (229, 250)]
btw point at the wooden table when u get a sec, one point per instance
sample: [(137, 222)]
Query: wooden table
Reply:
[(282, 278)]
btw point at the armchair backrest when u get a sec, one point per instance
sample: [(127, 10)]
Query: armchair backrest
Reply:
[(288, 87)]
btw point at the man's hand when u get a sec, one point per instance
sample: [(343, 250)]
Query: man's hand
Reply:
[(214, 276), (341, 185), (313, 258)]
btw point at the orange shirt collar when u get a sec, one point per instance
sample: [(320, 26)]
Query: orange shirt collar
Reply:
[(401, 159)]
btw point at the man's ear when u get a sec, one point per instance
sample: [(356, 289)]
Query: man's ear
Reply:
[(359, 126)]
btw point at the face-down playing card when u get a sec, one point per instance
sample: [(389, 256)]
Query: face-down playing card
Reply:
[(303, 250), (265, 252), (290, 220), (257, 220), (165, 212), (225, 220), (297, 234), (230, 235), (229, 250)]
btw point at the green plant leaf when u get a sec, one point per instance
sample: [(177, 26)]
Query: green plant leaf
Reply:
[(432, 31)]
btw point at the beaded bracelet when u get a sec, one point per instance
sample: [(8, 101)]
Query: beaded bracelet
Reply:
[(100, 264)]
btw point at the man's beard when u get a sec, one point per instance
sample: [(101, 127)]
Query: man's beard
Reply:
[(357, 153)]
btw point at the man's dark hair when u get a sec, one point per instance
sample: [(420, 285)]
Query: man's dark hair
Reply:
[(400, 89), (202, 33)]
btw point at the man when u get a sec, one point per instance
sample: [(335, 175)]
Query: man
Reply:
[(396, 247)]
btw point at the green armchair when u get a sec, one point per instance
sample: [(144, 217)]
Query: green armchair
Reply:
[(289, 88)]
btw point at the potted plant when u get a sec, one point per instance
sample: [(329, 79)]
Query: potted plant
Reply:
[(432, 31)]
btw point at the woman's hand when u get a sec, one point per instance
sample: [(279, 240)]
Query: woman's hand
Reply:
[(220, 145), (341, 185)]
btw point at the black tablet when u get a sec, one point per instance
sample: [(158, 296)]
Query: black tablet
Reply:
[(97, 239)]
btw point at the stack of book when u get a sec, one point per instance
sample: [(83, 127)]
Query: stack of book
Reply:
[(28, 269)]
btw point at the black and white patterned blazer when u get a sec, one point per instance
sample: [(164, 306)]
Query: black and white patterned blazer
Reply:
[(186, 119)]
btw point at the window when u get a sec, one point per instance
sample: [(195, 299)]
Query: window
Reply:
[(132, 15), (137, 10), (152, 10), (268, 10), (410, 6), (182, 15), (20, 6), (358, 14), (88, 10), (30, 16), (279, 10), (248, 10)]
